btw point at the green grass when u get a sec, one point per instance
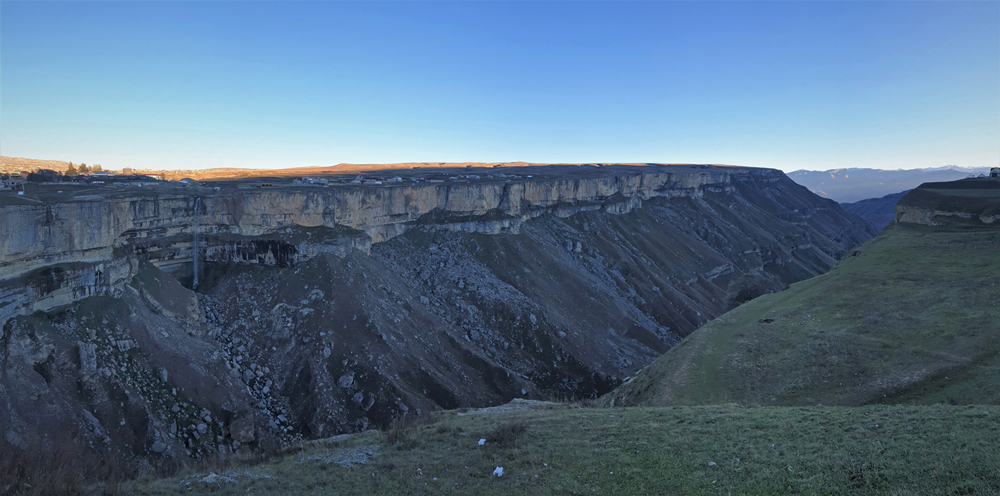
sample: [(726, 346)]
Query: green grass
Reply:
[(565, 450), (912, 318)]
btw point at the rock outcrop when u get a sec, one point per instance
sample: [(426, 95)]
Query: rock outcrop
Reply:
[(971, 202)]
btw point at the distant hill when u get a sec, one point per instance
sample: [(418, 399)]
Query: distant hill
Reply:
[(10, 164), (880, 212), (851, 185), (909, 318), (397, 168)]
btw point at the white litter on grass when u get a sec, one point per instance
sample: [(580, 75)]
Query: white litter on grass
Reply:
[(711, 464), (498, 472), (482, 442)]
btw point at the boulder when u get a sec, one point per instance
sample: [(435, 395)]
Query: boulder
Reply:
[(88, 357), (242, 430), (346, 381)]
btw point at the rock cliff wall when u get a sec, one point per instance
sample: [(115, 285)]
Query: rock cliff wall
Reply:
[(102, 237), (973, 202), (323, 310)]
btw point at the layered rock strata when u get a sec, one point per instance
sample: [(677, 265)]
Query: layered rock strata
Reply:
[(271, 225), (972, 202)]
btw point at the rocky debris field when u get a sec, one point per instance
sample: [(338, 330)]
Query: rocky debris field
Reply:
[(564, 308)]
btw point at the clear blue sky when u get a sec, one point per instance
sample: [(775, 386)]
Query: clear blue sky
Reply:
[(813, 85)]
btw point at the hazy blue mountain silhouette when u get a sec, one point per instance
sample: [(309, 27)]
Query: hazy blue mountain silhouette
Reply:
[(851, 185)]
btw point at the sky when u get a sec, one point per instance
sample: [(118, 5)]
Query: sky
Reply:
[(788, 85)]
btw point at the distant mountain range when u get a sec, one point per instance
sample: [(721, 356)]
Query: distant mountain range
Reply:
[(851, 185)]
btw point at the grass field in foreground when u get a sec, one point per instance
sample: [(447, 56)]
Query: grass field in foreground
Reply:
[(567, 450)]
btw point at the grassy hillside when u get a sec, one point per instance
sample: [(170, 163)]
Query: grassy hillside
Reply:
[(912, 317), (679, 450)]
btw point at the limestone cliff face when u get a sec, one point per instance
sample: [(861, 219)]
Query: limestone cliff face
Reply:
[(932, 217), (80, 228), (96, 241)]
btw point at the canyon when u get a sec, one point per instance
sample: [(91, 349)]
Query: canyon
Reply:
[(909, 318), (315, 310)]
